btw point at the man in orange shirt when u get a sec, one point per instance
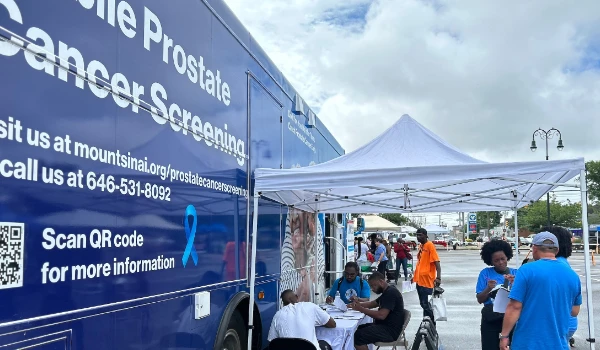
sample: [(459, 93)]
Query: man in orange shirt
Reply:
[(428, 272)]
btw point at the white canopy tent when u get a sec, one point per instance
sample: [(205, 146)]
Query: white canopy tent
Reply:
[(408, 229), (375, 223), (436, 229), (410, 169)]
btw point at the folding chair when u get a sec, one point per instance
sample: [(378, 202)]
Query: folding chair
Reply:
[(291, 344), (402, 338)]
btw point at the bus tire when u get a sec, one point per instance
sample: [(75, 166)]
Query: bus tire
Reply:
[(236, 337), (234, 315)]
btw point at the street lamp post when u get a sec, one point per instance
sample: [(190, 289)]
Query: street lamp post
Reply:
[(546, 135)]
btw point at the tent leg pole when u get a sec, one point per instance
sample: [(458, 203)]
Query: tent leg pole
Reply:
[(252, 270), (586, 254), (317, 238), (516, 240)]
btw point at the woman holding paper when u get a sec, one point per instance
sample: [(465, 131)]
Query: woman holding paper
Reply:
[(495, 254)]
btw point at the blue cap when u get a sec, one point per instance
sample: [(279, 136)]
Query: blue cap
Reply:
[(541, 240)]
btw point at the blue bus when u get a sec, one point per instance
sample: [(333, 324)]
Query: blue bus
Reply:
[(129, 131)]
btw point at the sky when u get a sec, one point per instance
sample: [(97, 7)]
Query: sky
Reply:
[(480, 74)]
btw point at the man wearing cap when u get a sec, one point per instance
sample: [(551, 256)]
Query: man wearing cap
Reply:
[(544, 295)]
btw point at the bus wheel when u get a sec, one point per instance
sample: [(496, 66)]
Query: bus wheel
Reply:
[(235, 337)]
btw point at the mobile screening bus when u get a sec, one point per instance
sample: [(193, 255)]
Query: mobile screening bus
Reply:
[(128, 130)]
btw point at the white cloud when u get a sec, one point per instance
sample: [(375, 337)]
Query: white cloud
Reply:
[(483, 75), (480, 74)]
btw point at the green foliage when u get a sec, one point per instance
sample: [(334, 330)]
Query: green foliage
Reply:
[(594, 213), (488, 219), (397, 219), (535, 216), (593, 180)]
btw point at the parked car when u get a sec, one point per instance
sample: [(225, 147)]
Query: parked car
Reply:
[(522, 241), (528, 240), (410, 239), (454, 243), (440, 242)]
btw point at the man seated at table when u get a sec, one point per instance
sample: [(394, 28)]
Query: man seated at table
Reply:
[(351, 286), (298, 320), (388, 318)]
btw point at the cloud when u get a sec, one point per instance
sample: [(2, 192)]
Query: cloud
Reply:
[(483, 76)]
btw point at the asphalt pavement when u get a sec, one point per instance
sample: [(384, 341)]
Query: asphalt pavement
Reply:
[(460, 269)]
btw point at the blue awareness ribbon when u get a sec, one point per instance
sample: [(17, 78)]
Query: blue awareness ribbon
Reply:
[(190, 235)]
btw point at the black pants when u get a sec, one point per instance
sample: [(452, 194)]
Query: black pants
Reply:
[(382, 267), (424, 294), (371, 333), (489, 334)]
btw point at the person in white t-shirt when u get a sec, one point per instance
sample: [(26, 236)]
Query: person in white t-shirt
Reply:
[(298, 320), (360, 248), (360, 251)]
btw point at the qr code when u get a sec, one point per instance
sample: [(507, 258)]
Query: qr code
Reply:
[(11, 254)]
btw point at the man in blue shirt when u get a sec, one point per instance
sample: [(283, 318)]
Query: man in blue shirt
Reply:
[(565, 249), (351, 286), (545, 293)]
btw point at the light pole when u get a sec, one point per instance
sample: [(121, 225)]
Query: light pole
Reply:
[(546, 135)]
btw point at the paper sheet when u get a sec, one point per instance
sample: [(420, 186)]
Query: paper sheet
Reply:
[(501, 300), (498, 286), (339, 304), (354, 312)]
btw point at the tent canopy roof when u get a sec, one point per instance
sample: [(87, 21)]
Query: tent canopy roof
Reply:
[(377, 223), (436, 229), (410, 169), (408, 229)]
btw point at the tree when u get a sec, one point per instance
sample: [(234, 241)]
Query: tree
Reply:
[(594, 213), (593, 180), (535, 216), (488, 219), (397, 219)]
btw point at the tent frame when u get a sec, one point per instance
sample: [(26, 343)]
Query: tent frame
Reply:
[(507, 193), (455, 197)]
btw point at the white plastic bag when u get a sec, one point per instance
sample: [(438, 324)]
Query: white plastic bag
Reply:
[(438, 305), (407, 286)]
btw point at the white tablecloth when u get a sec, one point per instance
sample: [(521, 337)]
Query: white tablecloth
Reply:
[(342, 336)]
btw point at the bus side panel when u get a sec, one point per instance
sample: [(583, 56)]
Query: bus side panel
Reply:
[(303, 250), (176, 195), (265, 151), (205, 181), (168, 324)]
